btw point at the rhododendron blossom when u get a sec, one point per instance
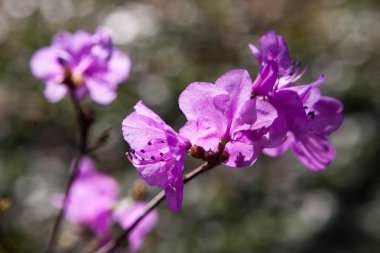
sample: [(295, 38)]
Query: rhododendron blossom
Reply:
[(157, 152), (91, 198), (302, 114), (313, 149), (82, 62), (220, 113)]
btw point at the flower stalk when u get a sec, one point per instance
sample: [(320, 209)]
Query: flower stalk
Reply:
[(84, 120)]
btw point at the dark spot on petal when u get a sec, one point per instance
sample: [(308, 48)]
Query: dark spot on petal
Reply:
[(152, 157), (311, 114), (132, 151), (161, 154), (142, 151), (161, 160), (150, 143), (162, 141), (305, 107)]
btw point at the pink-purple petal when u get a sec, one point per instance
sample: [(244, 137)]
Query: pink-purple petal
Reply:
[(100, 92), (279, 150), (315, 152), (44, 64), (54, 91), (242, 154)]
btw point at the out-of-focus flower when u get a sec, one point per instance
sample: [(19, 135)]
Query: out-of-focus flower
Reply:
[(82, 63), (127, 213), (157, 152), (222, 112), (304, 119), (91, 199)]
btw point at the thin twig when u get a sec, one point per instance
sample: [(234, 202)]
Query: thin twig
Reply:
[(112, 246), (84, 122)]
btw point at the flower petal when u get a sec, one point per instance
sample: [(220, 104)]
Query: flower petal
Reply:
[(174, 191), (289, 106), (237, 83), (202, 133), (280, 149), (118, 69), (266, 80), (276, 44), (242, 154), (328, 115), (100, 92), (54, 91), (315, 152), (197, 102), (157, 174), (44, 64)]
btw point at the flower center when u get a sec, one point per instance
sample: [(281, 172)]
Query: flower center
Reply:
[(255, 96), (73, 79)]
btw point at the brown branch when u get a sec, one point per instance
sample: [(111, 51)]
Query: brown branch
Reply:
[(84, 120)]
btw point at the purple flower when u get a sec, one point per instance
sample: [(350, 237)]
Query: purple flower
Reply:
[(298, 107), (313, 149), (223, 112), (157, 152), (91, 198), (83, 62), (127, 213), (273, 44)]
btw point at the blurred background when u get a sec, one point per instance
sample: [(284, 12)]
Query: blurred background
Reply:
[(277, 205)]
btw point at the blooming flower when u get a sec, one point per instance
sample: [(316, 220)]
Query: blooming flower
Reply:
[(127, 213), (273, 44), (81, 62), (222, 112), (298, 107), (91, 198), (313, 149), (157, 152)]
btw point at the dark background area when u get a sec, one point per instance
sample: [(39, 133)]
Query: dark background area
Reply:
[(277, 205)]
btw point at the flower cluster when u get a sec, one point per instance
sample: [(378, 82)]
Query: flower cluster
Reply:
[(93, 203), (235, 119), (82, 63), (231, 122)]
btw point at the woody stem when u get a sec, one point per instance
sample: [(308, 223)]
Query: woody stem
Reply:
[(84, 120)]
